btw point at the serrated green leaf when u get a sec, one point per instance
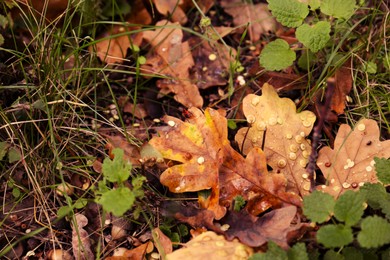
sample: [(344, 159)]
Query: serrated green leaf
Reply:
[(277, 55), (117, 201), (3, 149), (290, 13), (377, 197), (118, 169), (351, 253), (14, 155), (313, 211), (349, 207), (338, 9), (273, 252), (382, 168), (375, 232), (298, 252), (306, 60), (314, 37), (332, 255), (334, 235)]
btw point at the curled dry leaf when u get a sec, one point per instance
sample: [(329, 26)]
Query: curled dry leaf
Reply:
[(351, 162), (257, 16), (162, 242), (172, 58), (285, 131), (209, 245), (135, 253), (80, 239), (343, 86)]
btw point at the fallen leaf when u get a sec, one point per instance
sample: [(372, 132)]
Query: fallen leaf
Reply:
[(351, 162), (131, 151), (172, 58), (285, 131), (81, 243), (114, 44), (162, 242), (256, 231), (205, 160), (343, 86), (172, 8), (257, 16), (209, 245), (135, 253)]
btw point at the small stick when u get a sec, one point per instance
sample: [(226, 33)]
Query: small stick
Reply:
[(311, 166)]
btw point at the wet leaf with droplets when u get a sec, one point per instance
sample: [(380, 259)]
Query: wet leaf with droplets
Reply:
[(286, 147), (351, 162)]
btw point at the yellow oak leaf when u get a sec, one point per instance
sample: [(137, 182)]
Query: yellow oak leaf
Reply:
[(275, 124), (351, 162)]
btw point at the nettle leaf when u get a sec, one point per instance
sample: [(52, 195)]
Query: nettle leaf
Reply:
[(118, 169), (382, 167), (351, 162), (273, 252), (277, 55), (286, 147), (375, 232), (314, 37), (349, 207), (290, 13), (117, 201), (338, 9), (332, 255), (334, 235), (317, 213), (314, 4), (352, 253)]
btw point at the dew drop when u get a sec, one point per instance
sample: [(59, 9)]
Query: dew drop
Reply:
[(293, 148), (261, 126), (303, 163), (361, 184), (282, 163), (306, 186), (251, 119), (369, 168), (307, 123), (328, 164), (354, 185), (255, 101), (361, 127), (299, 139), (346, 185), (292, 156), (200, 160), (306, 154), (171, 123), (289, 136), (302, 146), (212, 57), (302, 134), (280, 121), (272, 121), (305, 175)]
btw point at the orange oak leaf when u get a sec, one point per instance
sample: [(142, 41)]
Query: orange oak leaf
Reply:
[(207, 161), (351, 162), (285, 131), (172, 58)]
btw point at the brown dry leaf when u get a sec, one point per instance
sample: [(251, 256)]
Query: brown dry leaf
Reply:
[(343, 86), (131, 151), (256, 231), (286, 147), (80, 239), (173, 8), (258, 16), (116, 42), (172, 57), (209, 245), (137, 253), (162, 242), (351, 163), (208, 73)]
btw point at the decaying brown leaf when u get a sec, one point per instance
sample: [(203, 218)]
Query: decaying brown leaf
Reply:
[(257, 16), (172, 58), (162, 242), (173, 8), (209, 245), (131, 151), (343, 86), (256, 231), (136, 253), (80, 239), (285, 131), (351, 162)]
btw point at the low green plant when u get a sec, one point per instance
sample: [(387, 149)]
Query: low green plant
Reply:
[(314, 36), (121, 198)]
